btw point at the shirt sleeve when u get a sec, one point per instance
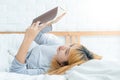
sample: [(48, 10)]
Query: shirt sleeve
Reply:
[(18, 67)]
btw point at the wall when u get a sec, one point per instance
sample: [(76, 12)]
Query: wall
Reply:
[(17, 15), (91, 15)]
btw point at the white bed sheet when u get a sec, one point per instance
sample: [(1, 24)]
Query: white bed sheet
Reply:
[(92, 70), (95, 70)]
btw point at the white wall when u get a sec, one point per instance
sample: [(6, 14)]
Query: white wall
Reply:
[(17, 15), (91, 15), (82, 15)]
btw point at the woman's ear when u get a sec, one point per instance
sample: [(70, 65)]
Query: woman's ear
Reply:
[(95, 56)]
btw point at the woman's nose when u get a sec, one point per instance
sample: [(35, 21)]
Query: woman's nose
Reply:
[(62, 47)]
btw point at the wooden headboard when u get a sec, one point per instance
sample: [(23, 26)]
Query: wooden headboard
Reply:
[(71, 37)]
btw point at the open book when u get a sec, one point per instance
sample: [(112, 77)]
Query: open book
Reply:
[(52, 15)]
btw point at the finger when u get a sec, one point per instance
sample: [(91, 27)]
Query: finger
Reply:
[(41, 26), (32, 25), (44, 25), (48, 23), (35, 27)]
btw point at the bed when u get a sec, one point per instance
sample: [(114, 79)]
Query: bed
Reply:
[(92, 70)]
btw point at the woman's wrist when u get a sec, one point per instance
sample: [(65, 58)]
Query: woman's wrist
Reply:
[(27, 40)]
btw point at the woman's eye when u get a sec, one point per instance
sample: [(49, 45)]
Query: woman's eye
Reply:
[(67, 51)]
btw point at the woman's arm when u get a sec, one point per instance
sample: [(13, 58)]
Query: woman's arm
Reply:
[(30, 34), (22, 69), (21, 55)]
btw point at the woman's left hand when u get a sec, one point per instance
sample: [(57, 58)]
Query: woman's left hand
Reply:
[(32, 31)]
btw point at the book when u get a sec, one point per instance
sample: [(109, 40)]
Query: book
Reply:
[(52, 16)]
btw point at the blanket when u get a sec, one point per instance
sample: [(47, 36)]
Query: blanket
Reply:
[(91, 70)]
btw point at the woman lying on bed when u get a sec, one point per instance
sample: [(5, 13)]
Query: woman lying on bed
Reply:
[(48, 56)]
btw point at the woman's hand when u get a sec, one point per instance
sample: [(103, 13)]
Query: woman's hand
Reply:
[(33, 30)]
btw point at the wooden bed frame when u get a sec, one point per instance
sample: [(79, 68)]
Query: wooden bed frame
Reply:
[(71, 37)]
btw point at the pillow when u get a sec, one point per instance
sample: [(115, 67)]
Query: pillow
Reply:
[(4, 58), (8, 42), (12, 52)]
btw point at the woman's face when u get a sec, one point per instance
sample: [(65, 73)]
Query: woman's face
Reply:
[(63, 53)]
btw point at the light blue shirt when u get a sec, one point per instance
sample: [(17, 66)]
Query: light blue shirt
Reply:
[(39, 58)]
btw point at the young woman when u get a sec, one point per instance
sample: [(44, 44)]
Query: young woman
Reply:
[(47, 56)]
